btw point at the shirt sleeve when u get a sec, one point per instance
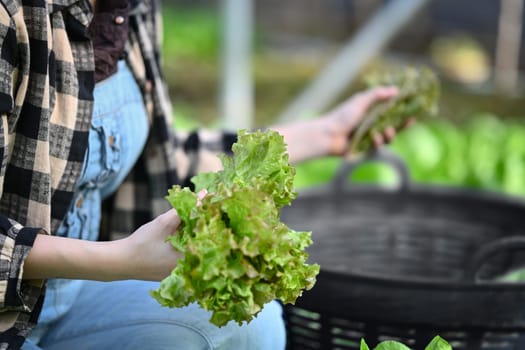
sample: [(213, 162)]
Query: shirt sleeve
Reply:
[(15, 240), (197, 151)]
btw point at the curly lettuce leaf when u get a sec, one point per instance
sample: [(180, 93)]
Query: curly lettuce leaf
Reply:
[(238, 256), (437, 343), (260, 161)]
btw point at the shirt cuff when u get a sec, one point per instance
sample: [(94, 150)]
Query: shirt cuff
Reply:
[(16, 243)]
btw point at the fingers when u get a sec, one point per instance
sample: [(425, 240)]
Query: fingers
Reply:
[(389, 134), (408, 123), (369, 97), (170, 220), (377, 139), (386, 137)]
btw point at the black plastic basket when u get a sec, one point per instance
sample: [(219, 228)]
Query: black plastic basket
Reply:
[(407, 264)]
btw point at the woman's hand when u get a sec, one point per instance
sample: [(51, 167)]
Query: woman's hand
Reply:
[(343, 120), (151, 253), (331, 134), (146, 254), (151, 256)]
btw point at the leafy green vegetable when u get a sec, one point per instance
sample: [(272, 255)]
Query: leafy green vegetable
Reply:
[(364, 346), (484, 152), (418, 95), (238, 256), (391, 345), (437, 343)]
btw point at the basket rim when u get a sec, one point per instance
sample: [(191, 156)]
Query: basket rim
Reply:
[(415, 189), (481, 286)]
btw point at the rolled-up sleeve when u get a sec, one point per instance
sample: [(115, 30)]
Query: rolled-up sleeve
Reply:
[(15, 241)]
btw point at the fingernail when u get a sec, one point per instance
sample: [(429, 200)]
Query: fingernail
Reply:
[(202, 193)]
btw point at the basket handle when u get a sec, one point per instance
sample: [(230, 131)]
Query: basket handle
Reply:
[(383, 155), (489, 250)]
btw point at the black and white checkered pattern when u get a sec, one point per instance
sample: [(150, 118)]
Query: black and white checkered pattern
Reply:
[(46, 86)]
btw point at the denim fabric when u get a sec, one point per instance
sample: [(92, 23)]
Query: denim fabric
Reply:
[(127, 318), (122, 315)]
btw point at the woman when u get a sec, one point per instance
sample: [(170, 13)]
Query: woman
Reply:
[(87, 156)]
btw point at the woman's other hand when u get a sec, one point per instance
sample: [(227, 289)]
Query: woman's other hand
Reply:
[(331, 133), (344, 119)]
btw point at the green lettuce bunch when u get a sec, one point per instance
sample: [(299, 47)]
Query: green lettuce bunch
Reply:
[(418, 97), (238, 255)]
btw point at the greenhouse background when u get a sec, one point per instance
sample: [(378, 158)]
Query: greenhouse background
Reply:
[(476, 47), (247, 64)]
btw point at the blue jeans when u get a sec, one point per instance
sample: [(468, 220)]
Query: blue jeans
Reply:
[(122, 315)]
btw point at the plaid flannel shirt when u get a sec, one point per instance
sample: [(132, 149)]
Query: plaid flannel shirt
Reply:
[(46, 100)]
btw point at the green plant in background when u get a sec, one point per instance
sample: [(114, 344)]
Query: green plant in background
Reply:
[(437, 343), (191, 33), (485, 152), (190, 56)]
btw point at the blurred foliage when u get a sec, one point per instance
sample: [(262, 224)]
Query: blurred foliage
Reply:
[(191, 42), (191, 59), (484, 152), (192, 65), (191, 33), (467, 146)]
